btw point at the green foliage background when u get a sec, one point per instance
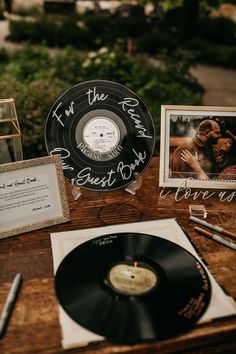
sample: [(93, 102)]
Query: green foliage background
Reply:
[(35, 78), (157, 71)]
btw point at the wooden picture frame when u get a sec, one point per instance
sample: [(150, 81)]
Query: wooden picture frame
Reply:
[(32, 195), (204, 133)]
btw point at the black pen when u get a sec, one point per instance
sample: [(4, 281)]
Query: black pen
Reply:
[(10, 301)]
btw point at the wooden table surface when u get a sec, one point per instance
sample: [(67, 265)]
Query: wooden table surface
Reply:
[(34, 325)]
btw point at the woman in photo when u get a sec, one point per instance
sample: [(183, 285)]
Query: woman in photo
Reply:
[(225, 161)]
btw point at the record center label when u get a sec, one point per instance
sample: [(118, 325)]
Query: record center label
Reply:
[(132, 279), (101, 135)]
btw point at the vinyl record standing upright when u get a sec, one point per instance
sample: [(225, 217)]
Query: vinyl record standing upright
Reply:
[(104, 133)]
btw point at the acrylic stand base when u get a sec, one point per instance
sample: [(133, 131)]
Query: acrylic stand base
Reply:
[(130, 188)]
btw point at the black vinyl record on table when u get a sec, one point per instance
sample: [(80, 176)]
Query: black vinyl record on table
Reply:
[(104, 133), (132, 287)]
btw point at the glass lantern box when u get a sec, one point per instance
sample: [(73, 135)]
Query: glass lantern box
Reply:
[(10, 135)]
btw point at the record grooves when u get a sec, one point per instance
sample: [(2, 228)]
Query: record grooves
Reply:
[(132, 287), (104, 133)]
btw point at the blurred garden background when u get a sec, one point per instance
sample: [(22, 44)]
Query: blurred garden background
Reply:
[(167, 51)]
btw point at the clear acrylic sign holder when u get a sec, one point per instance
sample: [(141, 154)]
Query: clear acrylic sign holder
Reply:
[(130, 188)]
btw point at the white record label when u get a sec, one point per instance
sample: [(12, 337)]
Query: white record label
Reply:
[(101, 135)]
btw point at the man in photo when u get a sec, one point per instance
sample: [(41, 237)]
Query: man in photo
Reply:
[(201, 148)]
